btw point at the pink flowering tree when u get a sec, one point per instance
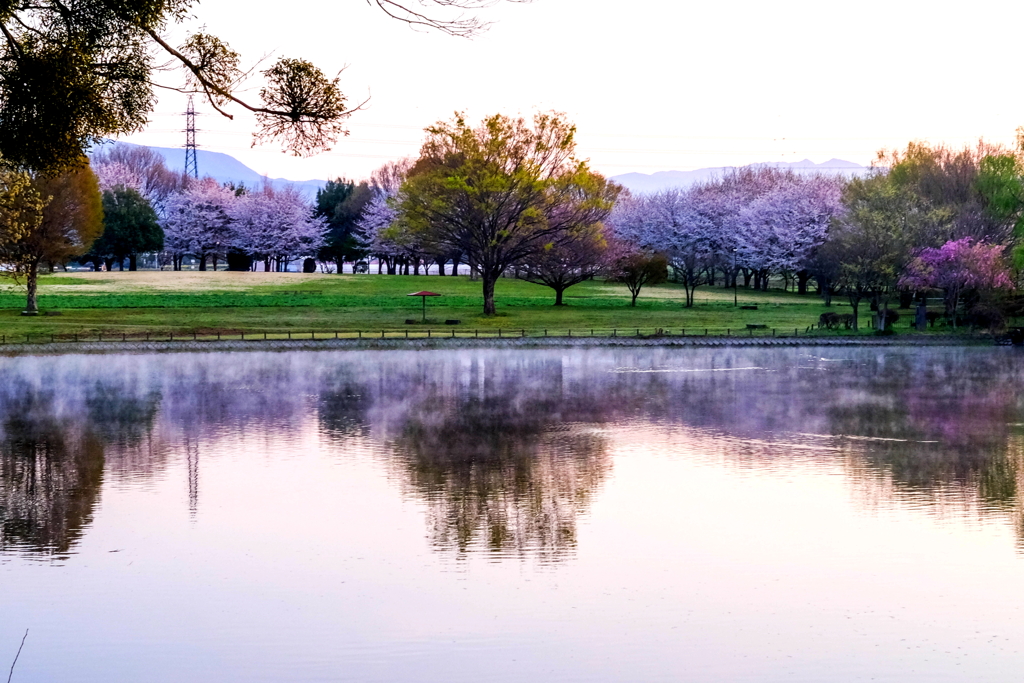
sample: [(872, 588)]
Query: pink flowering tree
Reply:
[(275, 226), (781, 229), (376, 223), (197, 222), (765, 221), (673, 223), (958, 266), (138, 168)]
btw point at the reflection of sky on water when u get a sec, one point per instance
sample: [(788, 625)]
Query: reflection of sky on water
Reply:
[(604, 514)]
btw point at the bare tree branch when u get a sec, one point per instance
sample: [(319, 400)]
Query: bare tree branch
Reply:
[(9, 675), (211, 87)]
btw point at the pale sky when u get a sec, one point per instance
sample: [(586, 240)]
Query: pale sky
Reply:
[(652, 85)]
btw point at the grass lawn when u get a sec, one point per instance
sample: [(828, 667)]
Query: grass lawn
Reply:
[(163, 302)]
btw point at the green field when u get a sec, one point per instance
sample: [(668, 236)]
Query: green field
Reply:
[(164, 303)]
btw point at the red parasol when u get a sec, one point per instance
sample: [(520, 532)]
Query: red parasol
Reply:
[(424, 294)]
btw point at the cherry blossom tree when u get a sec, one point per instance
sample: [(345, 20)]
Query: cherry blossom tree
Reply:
[(275, 226), (956, 267), (376, 223), (136, 167), (197, 222), (674, 223), (780, 229)]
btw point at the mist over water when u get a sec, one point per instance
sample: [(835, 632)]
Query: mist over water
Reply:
[(567, 514)]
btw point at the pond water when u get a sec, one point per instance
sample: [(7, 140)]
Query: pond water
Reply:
[(840, 514)]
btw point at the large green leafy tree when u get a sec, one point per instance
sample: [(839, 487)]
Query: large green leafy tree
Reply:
[(501, 191), (21, 207), (60, 224), (969, 185), (130, 227), (871, 243), (75, 71), (1001, 182), (341, 203)]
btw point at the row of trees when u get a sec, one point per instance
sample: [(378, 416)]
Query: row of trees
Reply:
[(126, 203), (211, 221), (758, 222), (74, 74), (508, 196), (214, 223), (930, 218)]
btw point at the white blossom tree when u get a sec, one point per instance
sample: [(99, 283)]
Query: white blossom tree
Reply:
[(197, 222), (138, 168), (674, 223), (385, 239), (275, 226)]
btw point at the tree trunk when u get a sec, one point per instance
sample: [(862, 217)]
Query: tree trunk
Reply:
[(202, 262), (855, 305), (558, 296), (31, 307), (440, 266), (133, 262), (801, 281), (746, 277), (488, 280)]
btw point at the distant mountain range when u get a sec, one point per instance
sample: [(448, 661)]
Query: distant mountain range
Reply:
[(641, 183)]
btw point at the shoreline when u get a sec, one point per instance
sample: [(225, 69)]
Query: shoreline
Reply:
[(203, 346)]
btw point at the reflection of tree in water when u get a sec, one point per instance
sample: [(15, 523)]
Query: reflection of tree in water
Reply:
[(50, 477), (506, 484), (53, 449), (500, 444), (494, 447), (936, 422), (122, 417), (342, 402), (927, 418)]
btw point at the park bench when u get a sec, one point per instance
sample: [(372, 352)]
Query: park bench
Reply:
[(751, 326)]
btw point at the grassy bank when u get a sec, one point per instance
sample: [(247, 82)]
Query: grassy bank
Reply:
[(162, 303)]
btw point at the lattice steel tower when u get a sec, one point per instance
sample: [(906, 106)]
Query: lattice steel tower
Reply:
[(191, 165)]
